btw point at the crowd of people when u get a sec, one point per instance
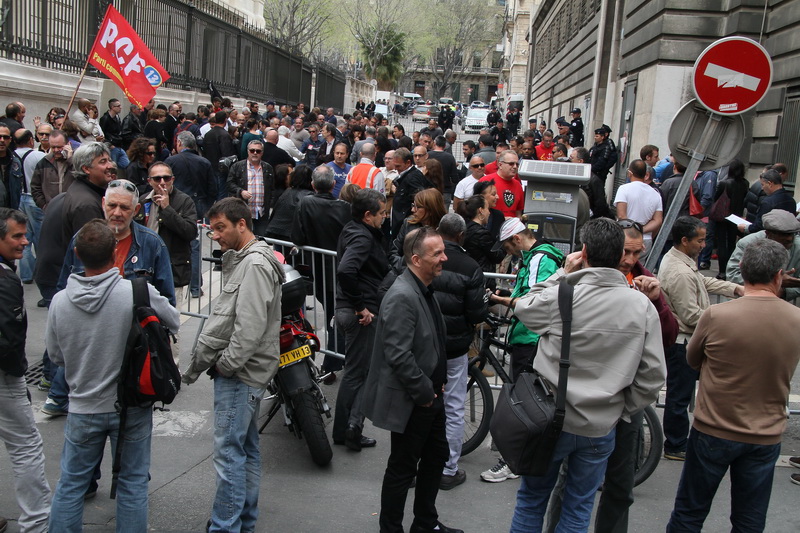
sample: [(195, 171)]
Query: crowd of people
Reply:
[(99, 202)]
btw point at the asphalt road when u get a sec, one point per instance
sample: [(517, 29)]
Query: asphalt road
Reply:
[(344, 497)]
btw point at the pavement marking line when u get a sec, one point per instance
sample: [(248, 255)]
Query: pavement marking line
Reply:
[(184, 424), (794, 398)]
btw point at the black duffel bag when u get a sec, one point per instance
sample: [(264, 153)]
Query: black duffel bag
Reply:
[(529, 416)]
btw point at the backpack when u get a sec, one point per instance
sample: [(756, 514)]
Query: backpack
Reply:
[(148, 373)]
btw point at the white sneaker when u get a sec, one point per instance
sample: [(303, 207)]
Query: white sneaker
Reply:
[(499, 472)]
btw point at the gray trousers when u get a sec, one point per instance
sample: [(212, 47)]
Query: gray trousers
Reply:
[(358, 342), (24, 445)]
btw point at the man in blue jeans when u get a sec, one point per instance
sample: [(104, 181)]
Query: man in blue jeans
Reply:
[(616, 370), (239, 346), (87, 330), (728, 432)]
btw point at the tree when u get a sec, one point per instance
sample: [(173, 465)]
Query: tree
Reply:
[(464, 30), (298, 26), (377, 27)]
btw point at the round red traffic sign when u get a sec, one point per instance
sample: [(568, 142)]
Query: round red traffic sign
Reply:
[(732, 75)]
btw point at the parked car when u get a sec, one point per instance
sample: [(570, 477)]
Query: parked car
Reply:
[(476, 119), (384, 110), (423, 113), (477, 104)]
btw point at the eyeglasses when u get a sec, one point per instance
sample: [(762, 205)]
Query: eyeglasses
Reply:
[(420, 155), (479, 165), (510, 163), (5, 136), (162, 178), (627, 223), (43, 134), (150, 153), (254, 151), (127, 185)]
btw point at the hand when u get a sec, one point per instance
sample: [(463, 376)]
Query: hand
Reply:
[(365, 317), (649, 286), (742, 227), (430, 402), (789, 280), (99, 138), (37, 121), (161, 197), (739, 290), (246, 195), (502, 300), (574, 262)]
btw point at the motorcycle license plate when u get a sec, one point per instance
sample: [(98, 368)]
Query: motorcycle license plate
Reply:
[(291, 356)]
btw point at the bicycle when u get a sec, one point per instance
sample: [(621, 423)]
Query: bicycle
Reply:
[(479, 404)]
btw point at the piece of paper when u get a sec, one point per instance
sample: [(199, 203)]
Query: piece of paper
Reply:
[(737, 220)]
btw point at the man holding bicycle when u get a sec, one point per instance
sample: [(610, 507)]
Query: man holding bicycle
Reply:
[(539, 261)]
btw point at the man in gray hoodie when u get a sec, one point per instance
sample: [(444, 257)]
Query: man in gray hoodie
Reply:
[(87, 329), (240, 347)]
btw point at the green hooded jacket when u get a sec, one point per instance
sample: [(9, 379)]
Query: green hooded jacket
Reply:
[(537, 264)]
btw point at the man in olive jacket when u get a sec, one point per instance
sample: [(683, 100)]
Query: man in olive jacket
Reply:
[(239, 346)]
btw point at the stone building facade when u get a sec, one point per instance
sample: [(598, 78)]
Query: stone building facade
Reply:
[(628, 64)]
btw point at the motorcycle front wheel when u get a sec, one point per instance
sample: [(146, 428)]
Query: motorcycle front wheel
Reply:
[(309, 420)]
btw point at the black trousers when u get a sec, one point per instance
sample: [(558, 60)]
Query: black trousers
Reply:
[(421, 450)]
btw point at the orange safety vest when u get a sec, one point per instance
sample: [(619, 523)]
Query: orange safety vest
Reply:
[(363, 175)]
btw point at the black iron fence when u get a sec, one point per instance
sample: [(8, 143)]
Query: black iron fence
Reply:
[(196, 41)]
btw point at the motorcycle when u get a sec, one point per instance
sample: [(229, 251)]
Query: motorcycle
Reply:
[(295, 388)]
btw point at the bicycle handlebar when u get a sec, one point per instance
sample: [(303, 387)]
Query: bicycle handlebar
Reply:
[(495, 321)]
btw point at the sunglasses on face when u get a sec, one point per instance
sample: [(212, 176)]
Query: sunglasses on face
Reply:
[(479, 165), (162, 178), (5, 136), (254, 151), (150, 153)]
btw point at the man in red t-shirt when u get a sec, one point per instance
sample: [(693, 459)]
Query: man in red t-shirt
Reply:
[(544, 150), (509, 190)]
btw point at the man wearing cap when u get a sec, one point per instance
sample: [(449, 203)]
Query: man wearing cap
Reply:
[(603, 153), (499, 133), (538, 262), (782, 227), (509, 190), (777, 198), (576, 128), (563, 126)]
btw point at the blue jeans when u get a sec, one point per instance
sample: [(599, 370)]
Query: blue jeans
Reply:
[(84, 440), (587, 458), (59, 390), (236, 455), (707, 460), (681, 379), (34, 228)]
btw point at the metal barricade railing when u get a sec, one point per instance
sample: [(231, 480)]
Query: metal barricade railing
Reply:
[(321, 266)]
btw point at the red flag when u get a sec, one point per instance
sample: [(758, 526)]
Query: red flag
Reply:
[(120, 54)]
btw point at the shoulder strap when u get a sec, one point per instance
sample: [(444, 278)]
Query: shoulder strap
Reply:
[(141, 294), (565, 292)]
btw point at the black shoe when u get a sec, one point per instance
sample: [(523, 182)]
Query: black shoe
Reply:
[(3, 524), (43, 303), (448, 482), (704, 266), (27, 281), (439, 528), (330, 379), (352, 437)]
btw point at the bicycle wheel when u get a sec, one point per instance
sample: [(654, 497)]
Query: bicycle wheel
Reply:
[(651, 443), (478, 409)]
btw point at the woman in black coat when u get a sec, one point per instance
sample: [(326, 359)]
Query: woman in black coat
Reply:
[(478, 242), (736, 186), (280, 222)]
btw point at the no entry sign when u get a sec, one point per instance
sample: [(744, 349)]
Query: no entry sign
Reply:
[(732, 75)]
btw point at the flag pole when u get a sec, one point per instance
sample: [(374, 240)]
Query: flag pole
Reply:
[(80, 80)]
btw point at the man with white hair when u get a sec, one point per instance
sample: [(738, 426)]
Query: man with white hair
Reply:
[(365, 174), (286, 144)]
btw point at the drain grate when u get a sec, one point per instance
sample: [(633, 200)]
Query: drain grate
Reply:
[(34, 373)]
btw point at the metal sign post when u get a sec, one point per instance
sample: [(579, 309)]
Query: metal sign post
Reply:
[(729, 78)]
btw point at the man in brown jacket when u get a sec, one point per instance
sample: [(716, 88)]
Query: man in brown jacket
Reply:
[(746, 353), (53, 174)]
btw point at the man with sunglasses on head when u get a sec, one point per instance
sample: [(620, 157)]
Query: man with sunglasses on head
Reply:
[(140, 252), (509, 189), (640, 202), (252, 181)]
